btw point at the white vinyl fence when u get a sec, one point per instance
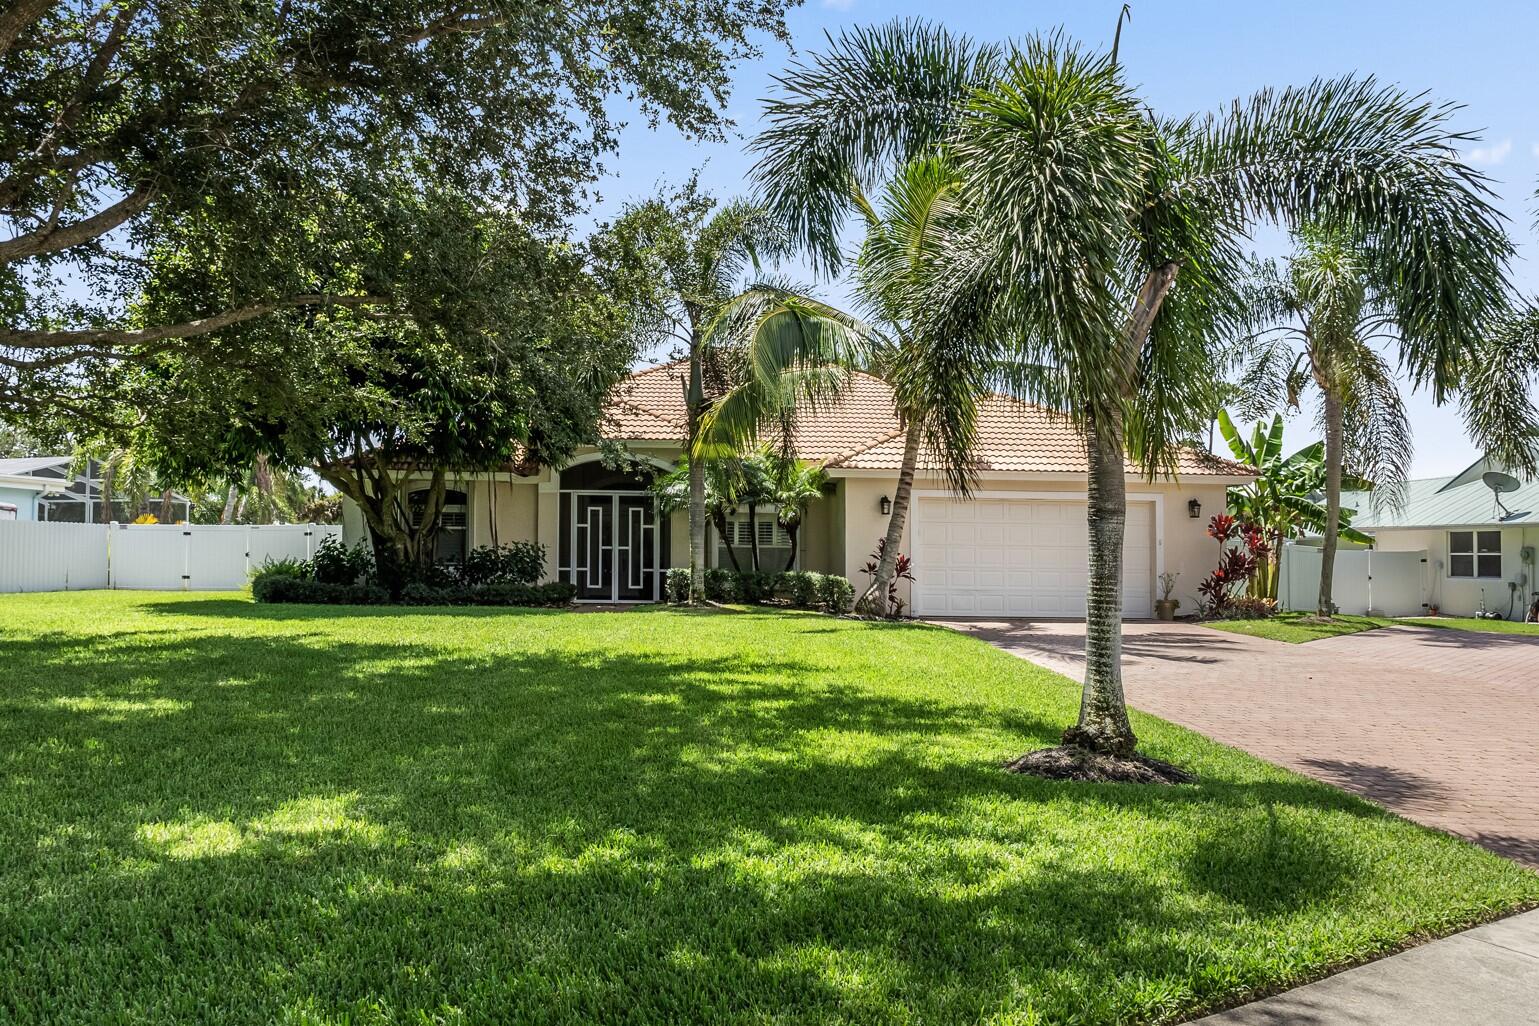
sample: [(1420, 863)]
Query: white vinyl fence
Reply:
[(1386, 583), (39, 556)]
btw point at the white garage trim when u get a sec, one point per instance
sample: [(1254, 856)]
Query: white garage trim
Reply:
[(1156, 501)]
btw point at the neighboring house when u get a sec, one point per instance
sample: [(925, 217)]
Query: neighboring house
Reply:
[(1476, 548), (78, 498), (20, 494), (1016, 548)]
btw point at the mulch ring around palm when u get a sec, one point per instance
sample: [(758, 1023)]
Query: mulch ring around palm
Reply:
[(1071, 762)]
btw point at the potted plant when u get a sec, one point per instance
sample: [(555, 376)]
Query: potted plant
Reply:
[(1433, 609), (1166, 607)]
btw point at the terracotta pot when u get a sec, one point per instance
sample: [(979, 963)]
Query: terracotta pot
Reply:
[(1165, 609)]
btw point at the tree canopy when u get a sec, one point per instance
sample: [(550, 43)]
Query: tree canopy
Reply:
[(221, 155)]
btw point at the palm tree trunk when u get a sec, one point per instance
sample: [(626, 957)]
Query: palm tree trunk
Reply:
[(753, 536), (167, 509), (1103, 716), (696, 532), (793, 532), (1333, 432), (695, 400), (228, 516), (874, 601), (726, 540)]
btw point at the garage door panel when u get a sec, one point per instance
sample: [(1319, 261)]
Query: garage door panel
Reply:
[(1020, 557)]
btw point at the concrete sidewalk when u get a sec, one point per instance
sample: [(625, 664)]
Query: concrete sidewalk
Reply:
[(1488, 976)]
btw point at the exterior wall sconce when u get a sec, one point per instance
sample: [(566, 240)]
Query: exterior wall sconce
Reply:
[(1194, 509), (886, 506)]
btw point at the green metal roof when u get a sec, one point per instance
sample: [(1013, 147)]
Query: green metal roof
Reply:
[(1461, 500)]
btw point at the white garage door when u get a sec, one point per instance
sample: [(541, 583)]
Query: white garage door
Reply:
[(1020, 557)]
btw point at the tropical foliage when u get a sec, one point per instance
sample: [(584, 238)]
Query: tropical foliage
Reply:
[(1103, 243), (1284, 499), (690, 260), (871, 116)]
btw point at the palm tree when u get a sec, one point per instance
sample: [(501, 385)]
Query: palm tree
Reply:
[(1334, 316), (1282, 499), (719, 494), (1104, 244), (795, 486), (873, 112), (1322, 319), (693, 258)]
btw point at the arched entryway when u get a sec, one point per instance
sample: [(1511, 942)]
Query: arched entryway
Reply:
[(613, 546)]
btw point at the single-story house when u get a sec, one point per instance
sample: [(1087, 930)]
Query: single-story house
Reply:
[(1479, 545), (1016, 547), (77, 498)]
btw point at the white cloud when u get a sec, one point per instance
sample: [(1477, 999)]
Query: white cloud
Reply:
[(1493, 154)]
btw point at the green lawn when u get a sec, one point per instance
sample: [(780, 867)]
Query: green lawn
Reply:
[(212, 811), (1469, 623), (1292, 628)]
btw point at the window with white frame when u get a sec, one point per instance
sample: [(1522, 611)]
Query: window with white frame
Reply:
[(1475, 554), (774, 542)]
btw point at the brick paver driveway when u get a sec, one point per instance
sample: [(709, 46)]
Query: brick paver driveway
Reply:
[(1440, 725)]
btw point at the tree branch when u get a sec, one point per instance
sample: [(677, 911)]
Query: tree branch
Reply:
[(186, 329), (17, 17), (53, 238)]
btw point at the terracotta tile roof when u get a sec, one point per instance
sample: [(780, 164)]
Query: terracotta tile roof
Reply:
[(861, 431)]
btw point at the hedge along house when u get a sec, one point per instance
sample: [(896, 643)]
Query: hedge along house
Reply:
[(1017, 547), (1478, 547)]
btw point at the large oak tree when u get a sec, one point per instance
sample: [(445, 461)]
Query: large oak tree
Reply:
[(250, 138)]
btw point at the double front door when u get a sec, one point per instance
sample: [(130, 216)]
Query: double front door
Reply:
[(614, 547)]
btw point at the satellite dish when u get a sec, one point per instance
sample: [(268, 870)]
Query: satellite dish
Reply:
[(1499, 483)]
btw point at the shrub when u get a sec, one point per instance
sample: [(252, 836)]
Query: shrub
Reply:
[(903, 570), (288, 566), (287, 588), (521, 562), (722, 585), (676, 584), (1248, 607), (835, 593), (756, 586), (800, 588), (335, 563), (553, 593)]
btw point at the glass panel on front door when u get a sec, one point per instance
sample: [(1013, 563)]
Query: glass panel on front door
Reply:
[(593, 546), (635, 549)]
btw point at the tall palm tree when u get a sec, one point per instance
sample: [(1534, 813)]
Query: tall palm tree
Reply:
[(1104, 244), (871, 115), (1332, 317), (694, 256), (1322, 318)]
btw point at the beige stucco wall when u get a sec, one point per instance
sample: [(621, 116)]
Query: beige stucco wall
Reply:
[(840, 531), (1186, 548), (1460, 596)]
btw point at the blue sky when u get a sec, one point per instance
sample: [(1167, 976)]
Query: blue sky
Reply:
[(1190, 57)]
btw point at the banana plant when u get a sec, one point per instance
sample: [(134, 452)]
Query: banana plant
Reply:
[(1285, 498)]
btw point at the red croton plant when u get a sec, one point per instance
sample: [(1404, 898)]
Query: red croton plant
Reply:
[(1242, 551)]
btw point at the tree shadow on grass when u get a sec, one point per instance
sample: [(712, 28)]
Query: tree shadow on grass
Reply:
[(282, 825)]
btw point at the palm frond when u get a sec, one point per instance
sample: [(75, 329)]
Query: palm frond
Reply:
[(849, 116)]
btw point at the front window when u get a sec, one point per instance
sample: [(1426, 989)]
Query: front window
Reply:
[(453, 524), (1475, 554), (774, 542)]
